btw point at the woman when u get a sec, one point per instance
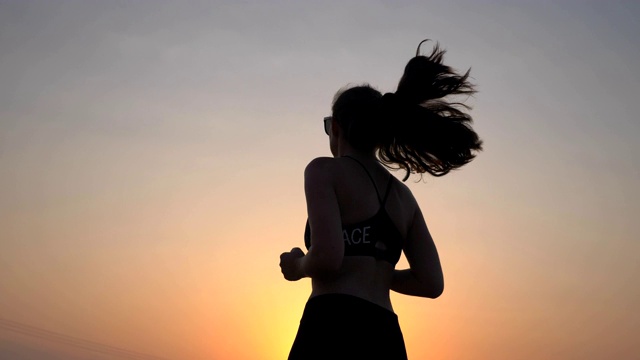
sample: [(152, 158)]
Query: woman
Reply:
[(361, 218)]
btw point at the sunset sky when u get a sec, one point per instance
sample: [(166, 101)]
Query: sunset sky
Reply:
[(151, 161)]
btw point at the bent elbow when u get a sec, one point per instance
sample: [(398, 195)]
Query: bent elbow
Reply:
[(436, 291), (431, 286)]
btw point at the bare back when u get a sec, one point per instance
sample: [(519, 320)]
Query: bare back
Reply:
[(364, 276)]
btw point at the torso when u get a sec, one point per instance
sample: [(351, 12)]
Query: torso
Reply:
[(367, 267)]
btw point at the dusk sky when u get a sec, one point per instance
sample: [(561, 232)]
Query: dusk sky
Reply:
[(151, 161)]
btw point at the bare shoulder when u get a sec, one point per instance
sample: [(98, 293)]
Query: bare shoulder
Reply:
[(321, 164), (405, 194), (320, 168), (403, 189)]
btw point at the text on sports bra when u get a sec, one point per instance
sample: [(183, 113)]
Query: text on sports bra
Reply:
[(356, 236)]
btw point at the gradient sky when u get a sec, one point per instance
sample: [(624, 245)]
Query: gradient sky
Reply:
[(151, 160)]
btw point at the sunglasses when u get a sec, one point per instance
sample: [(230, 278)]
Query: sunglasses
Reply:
[(327, 124)]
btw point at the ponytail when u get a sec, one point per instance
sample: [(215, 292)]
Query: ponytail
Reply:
[(428, 132), (419, 128)]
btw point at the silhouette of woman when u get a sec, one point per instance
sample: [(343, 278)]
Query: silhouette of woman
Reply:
[(361, 218)]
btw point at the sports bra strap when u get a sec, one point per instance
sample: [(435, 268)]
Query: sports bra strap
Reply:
[(387, 191), (382, 201)]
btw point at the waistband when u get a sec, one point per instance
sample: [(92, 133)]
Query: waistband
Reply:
[(345, 303)]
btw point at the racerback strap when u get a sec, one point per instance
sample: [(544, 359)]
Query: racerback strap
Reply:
[(382, 201)]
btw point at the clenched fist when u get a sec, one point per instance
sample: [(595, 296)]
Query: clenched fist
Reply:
[(290, 264)]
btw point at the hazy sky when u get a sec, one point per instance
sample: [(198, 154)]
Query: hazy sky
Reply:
[(151, 159)]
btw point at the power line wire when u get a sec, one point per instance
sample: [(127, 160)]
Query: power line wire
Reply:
[(74, 341)]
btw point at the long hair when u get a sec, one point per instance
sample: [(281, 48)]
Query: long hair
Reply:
[(419, 128)]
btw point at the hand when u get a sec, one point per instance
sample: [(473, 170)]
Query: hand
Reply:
[(290, 264)]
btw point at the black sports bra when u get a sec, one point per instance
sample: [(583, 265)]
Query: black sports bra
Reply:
[(377, 236)]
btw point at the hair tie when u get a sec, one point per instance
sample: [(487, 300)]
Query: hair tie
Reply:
[(390, 103)]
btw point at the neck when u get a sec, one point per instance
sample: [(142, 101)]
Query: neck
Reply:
[(345, 149)]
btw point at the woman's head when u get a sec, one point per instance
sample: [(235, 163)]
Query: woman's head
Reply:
[(419, 128), (355, 109)]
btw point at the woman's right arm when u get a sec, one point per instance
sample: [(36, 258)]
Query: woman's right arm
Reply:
[(326, 252), (424, 277)]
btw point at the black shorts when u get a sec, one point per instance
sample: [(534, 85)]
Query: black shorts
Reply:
[(340, 326)]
